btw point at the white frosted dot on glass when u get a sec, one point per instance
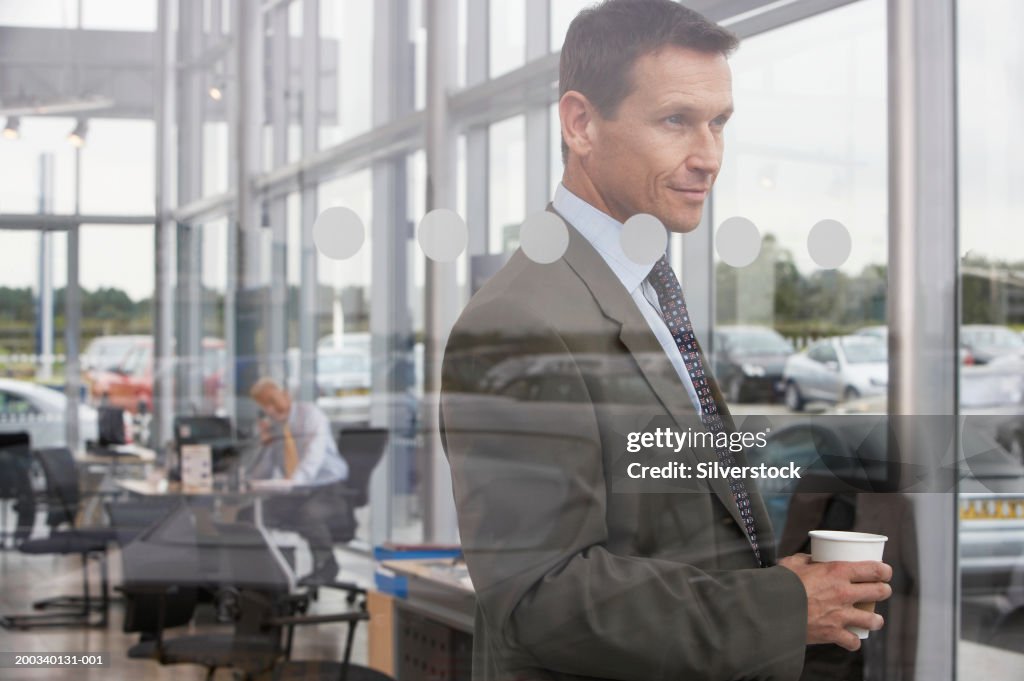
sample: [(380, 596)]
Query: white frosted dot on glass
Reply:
[(544, 237), (338, 233), (738, 242), (644, 239), (829, 244), (442, 235)]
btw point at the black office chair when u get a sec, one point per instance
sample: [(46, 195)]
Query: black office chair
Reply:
[(62, 499), (323, 670), (167, 565), (362, 449), (15, 483)]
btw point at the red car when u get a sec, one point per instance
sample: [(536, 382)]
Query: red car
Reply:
[(129, 385)]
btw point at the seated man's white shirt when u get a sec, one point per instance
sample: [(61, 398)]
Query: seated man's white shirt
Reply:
[(320, 463)]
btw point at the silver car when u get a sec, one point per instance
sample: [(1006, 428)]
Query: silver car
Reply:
[(40, 412), (836, 369)]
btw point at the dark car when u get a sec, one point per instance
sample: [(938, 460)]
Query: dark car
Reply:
[(989, 483), (748, 362)]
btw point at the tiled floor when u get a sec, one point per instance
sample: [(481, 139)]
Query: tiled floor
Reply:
[(24, 579)]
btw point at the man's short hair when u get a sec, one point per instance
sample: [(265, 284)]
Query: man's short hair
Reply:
[(604, 41), (263, 386)]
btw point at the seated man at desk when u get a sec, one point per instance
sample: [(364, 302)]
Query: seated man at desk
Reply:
[(296, 444)]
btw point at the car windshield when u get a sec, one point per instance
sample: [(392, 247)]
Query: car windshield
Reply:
[(758, 343), (108, 354), (993, 338), (863, 351), (343, 363)]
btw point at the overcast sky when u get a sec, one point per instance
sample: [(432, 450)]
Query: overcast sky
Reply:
[(807, 142)]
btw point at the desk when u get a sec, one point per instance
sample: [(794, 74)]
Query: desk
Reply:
[(122, 457), (160, 486), (429, 633)]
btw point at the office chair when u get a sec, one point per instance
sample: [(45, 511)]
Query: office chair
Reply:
[(362, 449), (15, 479), (166, 566), (62, 499), (322, 670)]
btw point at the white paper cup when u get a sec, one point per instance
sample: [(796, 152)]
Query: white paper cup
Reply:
[(833, 545)]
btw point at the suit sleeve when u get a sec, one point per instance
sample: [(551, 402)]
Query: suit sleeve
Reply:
[(530, 492)]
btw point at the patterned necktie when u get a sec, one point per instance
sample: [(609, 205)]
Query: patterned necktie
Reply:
[(673, 311)]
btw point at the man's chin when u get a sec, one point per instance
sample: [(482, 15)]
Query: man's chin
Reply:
[(682, 225)]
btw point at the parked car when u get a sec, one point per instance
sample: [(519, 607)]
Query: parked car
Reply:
[(748, 362), (836, 369), (989, 489), (881, 332), (989, 341), (105, 352), (41, 412), (343, 384), (129, 384)]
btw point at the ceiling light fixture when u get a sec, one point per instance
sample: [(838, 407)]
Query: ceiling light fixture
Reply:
[(77, 136), (12, 130)]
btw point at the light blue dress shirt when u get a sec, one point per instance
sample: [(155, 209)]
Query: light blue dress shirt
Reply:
[(603, 232), (320, 463)]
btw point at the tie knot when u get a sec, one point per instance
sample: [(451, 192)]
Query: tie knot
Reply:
[(664, 281)]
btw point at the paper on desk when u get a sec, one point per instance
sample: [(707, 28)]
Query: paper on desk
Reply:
[(272, 484)]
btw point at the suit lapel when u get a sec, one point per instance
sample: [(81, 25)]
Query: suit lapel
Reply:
[(643, 345)]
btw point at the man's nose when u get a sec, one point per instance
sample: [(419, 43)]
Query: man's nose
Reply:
[(705, 155)]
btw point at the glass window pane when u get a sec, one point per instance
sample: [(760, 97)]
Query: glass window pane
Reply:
[(507, 36), (991, 499), (137, 15), (807, 144), (346, 58), (22, 188), (507, 178), (40, 13), (118, 167), (562, 14)]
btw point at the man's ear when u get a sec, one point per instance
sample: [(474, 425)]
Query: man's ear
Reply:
[(576, 114)]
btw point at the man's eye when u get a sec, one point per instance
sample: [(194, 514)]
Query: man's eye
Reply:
[(675, 120), (720, 121)]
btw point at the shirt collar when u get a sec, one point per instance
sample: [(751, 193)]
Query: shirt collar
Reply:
[(604, 234)]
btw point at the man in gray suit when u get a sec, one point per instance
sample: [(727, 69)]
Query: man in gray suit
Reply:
[(580, 571)]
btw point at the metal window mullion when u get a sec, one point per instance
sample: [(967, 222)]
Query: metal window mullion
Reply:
[(276, 327), (310, 70), (923, 305), (477, 139), (188, 304), (389, 303), (538, 127), (163, 293), (442, 302), (245, 282), (72, 338)]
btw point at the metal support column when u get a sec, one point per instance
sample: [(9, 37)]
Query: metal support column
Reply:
[(477, 140), (310, 141), (246, 153), (163, 293), (442, 291), (277, 305), (188, 303), (390, 321), (72, 341), (923, 304), (44, 300), (538, 127)]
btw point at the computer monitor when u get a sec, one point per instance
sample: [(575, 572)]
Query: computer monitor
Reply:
[(215, 431), (111, 426)]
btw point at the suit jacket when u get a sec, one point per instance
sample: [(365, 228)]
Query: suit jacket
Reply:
[(581, 572)]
